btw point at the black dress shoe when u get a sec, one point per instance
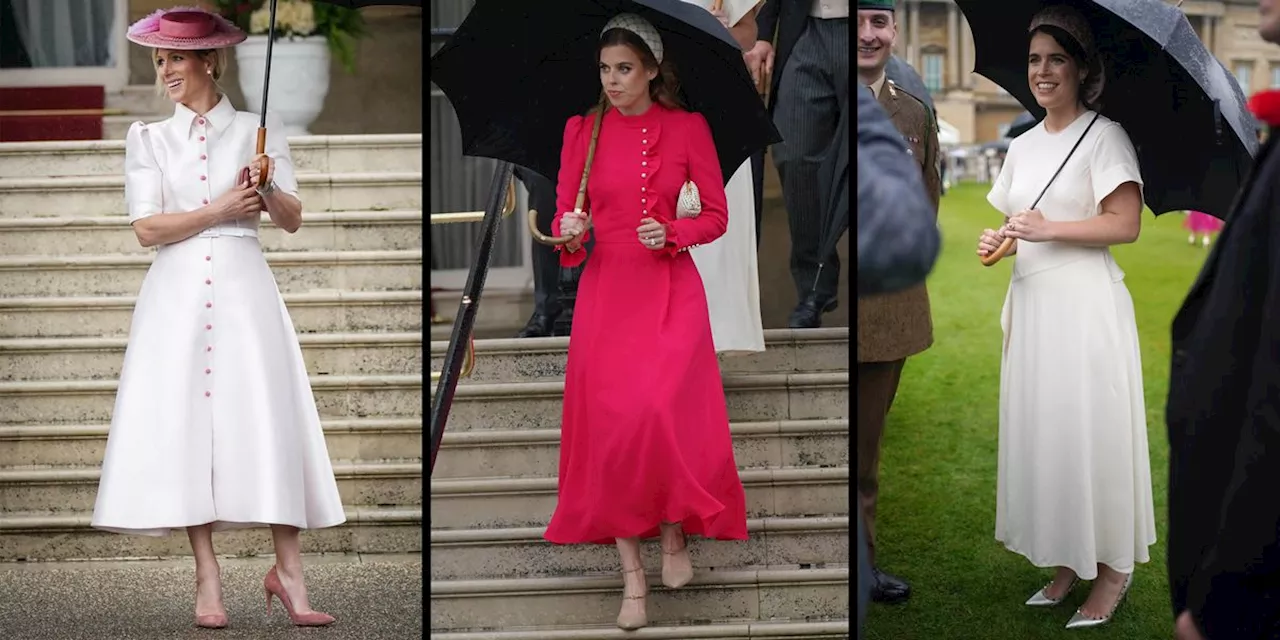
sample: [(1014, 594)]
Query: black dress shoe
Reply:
[(888, 589), (540, 325), (808, 314)]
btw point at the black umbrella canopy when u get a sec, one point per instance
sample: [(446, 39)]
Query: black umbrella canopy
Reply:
[(544, 54), (1021, 124), (904, 76), (1184, 112)]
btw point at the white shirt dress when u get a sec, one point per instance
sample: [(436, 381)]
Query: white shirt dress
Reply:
[(214, 419)]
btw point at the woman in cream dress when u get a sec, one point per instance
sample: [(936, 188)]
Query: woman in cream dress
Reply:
[(1073, 489), (728, 266), (215, 426)]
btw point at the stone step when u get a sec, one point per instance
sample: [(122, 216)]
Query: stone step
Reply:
[(93, 196), (465, 503), (501, 314), (41, 536), (59, 490), (714, 631), (349, 354), (522, 453), (719, 596), (311, 154), (523, 553), (139, 98), (543, 359), (92, 401), (750, 397), (348, 441), (312, 312), (321, 231), (295, 272)]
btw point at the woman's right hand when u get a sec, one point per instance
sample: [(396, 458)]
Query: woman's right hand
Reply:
[(241, 202), (572, 223), (989, 241)]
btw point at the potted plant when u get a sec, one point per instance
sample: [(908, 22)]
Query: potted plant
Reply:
[(307, 35)]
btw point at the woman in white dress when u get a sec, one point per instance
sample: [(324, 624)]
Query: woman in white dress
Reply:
[(215, 426), (1074, 480), (728, 266)]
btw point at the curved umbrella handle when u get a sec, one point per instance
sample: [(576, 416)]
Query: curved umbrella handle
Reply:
[(999, 253), (263, 164), (550, 241)]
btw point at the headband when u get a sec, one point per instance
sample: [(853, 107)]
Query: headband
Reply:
[(639, 26)]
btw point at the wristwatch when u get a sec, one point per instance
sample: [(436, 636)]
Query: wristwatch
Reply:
[(271, 187)]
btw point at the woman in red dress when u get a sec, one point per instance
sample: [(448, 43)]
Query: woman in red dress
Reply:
[(645, 447)]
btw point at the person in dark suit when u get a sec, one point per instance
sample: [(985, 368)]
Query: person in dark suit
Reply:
[(1223, 415), (809, 87), (546, 265)]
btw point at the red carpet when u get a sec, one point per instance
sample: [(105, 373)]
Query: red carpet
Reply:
[(28, 127)]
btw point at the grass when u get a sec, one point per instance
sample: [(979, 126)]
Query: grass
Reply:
[(936, 523)]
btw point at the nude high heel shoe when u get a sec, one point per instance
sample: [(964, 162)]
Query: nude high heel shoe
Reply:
[(677, 567), (633, 614), (309, 619)]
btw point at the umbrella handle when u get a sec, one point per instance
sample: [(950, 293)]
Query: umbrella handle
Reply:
[(264, 163), (542, 238), (999, 253)]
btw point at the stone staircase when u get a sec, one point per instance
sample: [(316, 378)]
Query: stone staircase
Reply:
[(493, 577), (69, 272)]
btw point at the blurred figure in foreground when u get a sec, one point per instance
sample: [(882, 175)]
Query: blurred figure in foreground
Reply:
[(1223, 414)]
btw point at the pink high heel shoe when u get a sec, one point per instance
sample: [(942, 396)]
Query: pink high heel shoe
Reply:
[(212, 621), (274, 588)]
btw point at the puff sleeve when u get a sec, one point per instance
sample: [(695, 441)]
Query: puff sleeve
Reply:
[(285, 177), (573, 157), (143, 179), (999, 194), (704, 171), (1113, 162)]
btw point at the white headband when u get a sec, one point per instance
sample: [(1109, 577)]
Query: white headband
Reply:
[(639, 26)]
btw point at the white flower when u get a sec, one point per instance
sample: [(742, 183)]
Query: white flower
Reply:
[(304, 20), (260, 20)]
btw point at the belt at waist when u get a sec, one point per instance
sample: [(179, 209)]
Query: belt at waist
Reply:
[(235, 232)]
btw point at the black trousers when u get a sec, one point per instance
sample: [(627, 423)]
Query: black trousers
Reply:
[(546, 264)]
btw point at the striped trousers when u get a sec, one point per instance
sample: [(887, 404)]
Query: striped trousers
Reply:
[(814, 87)]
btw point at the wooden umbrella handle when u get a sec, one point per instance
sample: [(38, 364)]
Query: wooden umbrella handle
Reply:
[(999, 253), (263, 164)]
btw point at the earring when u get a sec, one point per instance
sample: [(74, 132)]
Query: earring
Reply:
[(209, 71)]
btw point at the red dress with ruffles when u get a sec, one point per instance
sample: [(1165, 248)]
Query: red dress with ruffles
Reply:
[(645, 432)]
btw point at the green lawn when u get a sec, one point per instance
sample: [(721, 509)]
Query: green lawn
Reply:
[(936, 524)]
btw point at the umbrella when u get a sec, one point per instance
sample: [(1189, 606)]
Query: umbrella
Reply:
[(266, 74), (1183, 111), (1021, 124), (547, 53), (905, 76), (833, 179)]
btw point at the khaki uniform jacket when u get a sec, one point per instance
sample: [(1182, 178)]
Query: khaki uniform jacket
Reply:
[(898, 325)]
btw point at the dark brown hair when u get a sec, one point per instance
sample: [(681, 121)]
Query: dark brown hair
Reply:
[(664, 89)]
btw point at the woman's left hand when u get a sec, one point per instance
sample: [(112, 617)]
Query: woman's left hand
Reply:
[(1029, 225), (721, 16), (652, 234), (255, 167)]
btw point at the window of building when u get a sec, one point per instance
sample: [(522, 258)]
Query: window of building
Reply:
[(1244, 74), (1275, 75), (932, 65)]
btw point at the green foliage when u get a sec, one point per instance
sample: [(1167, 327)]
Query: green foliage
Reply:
[(341, 27)]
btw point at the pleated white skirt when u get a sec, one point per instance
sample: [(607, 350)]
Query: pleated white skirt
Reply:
[(214, 418), (730, 272), (1074, 479)]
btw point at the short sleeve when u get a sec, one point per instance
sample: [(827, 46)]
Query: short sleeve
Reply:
[(1113, 163), (285, 177), (143, 180), (999, 194)]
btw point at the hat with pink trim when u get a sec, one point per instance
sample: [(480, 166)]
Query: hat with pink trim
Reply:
[(185, 29)]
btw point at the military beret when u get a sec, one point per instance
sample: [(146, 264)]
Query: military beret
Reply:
[(880, 5)]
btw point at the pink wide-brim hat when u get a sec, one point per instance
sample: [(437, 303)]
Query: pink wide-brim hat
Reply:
[(185, 29)]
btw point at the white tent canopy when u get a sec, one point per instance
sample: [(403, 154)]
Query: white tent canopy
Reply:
[(947, 133)]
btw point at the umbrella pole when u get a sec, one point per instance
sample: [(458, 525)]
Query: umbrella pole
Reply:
[(266, 84)]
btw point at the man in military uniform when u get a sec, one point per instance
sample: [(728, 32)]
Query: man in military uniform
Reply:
[(894, 326)]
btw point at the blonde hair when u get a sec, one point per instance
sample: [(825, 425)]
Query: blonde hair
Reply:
[(218, 57)]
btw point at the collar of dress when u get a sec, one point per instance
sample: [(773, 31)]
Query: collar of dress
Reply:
[(219, 117)]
